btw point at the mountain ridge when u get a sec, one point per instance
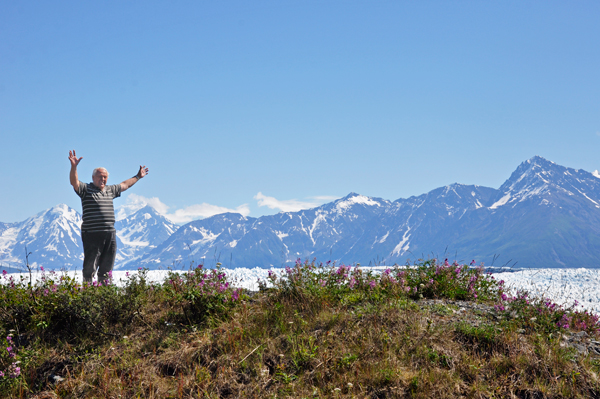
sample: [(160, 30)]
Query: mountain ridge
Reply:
[(543, 215)]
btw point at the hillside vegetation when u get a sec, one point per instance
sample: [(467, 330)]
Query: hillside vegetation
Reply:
[(429, 330)]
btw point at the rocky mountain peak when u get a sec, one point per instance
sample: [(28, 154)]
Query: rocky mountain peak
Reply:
[(354, 199)]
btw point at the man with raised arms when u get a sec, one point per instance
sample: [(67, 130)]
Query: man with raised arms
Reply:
[(98, 228)]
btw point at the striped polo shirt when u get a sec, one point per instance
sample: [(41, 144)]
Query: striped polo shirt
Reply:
[(98, 209)]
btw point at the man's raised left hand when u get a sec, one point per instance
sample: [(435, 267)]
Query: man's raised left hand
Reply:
[(143, 171)]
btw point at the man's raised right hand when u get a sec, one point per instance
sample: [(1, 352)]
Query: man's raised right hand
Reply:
[(73, 178), (73, 159)]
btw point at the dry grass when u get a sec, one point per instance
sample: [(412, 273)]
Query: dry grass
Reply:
[(283, 343), (392, 350)]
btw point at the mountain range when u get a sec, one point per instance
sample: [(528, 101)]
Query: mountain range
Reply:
[(544, 215)]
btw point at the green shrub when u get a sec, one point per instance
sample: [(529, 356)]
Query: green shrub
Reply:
[(351, 285), (544, 316), (201, 294), (57, 307)]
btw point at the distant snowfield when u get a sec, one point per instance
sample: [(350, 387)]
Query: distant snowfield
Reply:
[(563, 286)]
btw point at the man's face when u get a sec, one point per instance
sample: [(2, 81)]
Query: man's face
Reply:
[(100, 178)]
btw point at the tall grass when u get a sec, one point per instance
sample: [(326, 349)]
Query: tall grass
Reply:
[(315, 330)]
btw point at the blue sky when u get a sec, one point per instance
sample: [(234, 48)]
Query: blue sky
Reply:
[(268, 105)]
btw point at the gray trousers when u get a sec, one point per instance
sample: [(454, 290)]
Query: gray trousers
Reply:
[(99, 252)]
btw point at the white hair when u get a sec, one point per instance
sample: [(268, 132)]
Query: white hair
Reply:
[(98, 170)]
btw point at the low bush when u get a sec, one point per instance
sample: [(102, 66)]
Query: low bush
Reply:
[(201, 294), (426, 279), (313, 330), (57, 307), (544, 316)]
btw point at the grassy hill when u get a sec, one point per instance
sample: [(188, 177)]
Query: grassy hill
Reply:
[(432, 330)]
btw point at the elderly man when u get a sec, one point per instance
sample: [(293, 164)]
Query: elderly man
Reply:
[(98, 228)]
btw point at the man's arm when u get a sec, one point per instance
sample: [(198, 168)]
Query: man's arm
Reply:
[(131, 181), (73, 178)]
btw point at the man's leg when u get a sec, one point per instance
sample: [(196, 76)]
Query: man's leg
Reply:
[(92, 245), (107, 256)]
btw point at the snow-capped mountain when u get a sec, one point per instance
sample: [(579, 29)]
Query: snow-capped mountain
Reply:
[(538, 178), (53, 237), (544, 215), (269, 240), (196, 241), (141, 232), (352, 229), (416, 221)]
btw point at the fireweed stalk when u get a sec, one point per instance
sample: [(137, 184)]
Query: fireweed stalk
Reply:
[(9, 363)]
